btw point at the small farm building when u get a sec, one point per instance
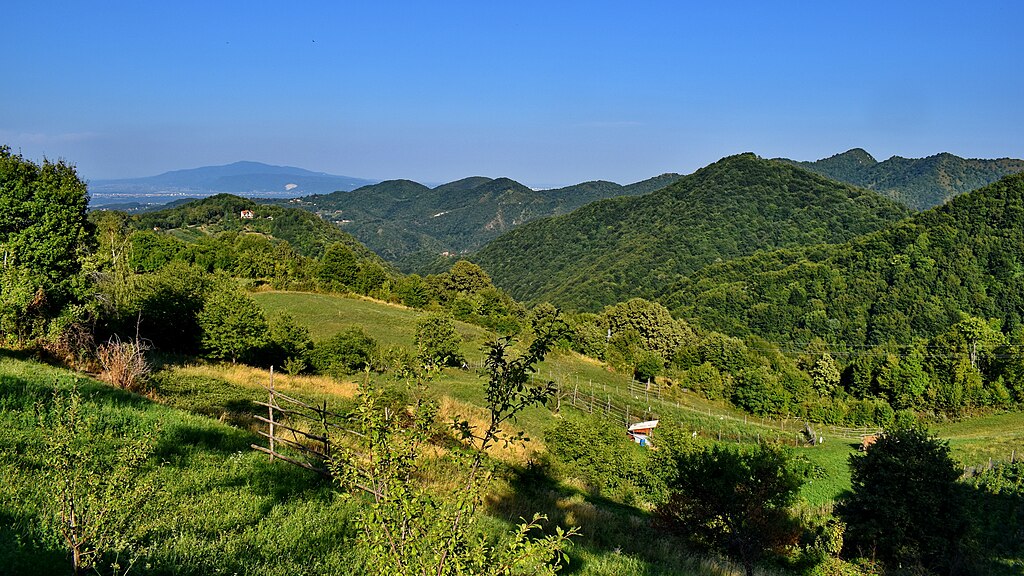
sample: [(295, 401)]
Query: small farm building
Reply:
[(640, 431)]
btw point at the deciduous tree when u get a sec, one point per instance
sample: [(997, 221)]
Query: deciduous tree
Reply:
[(905, 507), (44, 236), (735, 501), (233, 325)]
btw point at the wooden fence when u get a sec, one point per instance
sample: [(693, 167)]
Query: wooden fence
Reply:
[(651, 401), (298, 432)]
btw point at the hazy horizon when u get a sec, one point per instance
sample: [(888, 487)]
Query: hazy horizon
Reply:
[(547, 94)]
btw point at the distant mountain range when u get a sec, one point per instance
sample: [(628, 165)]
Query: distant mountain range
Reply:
[(252, 179), (612, 250), (407, 222), (918, 183)]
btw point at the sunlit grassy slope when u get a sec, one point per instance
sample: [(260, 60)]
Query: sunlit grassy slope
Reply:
[(390, 324), (594, 385), (221, 508), (973, 441)]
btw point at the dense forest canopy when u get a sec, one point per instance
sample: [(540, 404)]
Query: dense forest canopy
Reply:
[(615, 249), (911, 280), (919, 183)]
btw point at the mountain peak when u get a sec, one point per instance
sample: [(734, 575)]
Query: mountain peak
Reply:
[(858, 155), (637, 246), (918, 183)]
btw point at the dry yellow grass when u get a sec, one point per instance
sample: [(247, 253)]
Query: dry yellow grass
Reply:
[(249, 377), (450, 408)]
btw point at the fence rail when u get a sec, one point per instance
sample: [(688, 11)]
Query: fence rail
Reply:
[(304, 429)]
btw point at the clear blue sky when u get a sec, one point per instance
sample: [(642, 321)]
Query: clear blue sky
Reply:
[(548, 93)]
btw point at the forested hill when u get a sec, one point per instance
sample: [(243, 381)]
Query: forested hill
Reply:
[(919, 183), (911, 280), (615, 249), (399, 218), (307, 233)]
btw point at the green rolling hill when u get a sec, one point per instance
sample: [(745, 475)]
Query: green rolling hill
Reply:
[(919, 183), (611, 250), (307, 233), (911, 280), (406, 221)]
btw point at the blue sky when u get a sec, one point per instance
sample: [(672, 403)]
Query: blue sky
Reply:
[(548, 93)]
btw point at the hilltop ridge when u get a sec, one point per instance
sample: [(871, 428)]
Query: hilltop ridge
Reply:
[(636, 246), (918, 183), (404, 220)]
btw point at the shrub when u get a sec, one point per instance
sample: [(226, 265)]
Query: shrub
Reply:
[(905, 507), (437, 341), (346, 352), (737, 502), (124, 363)]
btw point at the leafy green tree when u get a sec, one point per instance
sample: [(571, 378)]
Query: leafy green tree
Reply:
[(724, 352), (586, 335), (438, 342), (905, 507), (707, 379), (346, 352), (659, 332), (286, 340), (825, 374), (233, 325), (648, 365), (466, 278), (254, 256), (151, 251), (734, 501), (371, 277), (338, 267), (413, 291), (758, 391), (164, 307), (44, 236), (406, 529)]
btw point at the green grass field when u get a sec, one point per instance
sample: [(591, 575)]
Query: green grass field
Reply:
[(972, 441), (390, 324), (218, 507), (223, 508), (214, 507), (596, 386)]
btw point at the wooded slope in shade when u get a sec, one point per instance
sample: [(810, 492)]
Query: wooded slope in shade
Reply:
[(615, 249), (919, 183), (398, 218), (911, 280)]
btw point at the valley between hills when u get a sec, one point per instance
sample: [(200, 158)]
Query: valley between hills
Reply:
[(821, 361)]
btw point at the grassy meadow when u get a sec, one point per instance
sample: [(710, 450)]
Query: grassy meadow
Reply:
[(218, 507), (214, 506)]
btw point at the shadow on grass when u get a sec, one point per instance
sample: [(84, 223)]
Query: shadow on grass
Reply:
[(995, 499), (608, 528), (25, 551)]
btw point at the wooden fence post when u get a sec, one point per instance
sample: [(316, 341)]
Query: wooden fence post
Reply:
[(270, 410), (323, 422)]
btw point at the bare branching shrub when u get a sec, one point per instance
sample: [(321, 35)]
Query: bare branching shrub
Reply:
[(69, 341), (124, 363)]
